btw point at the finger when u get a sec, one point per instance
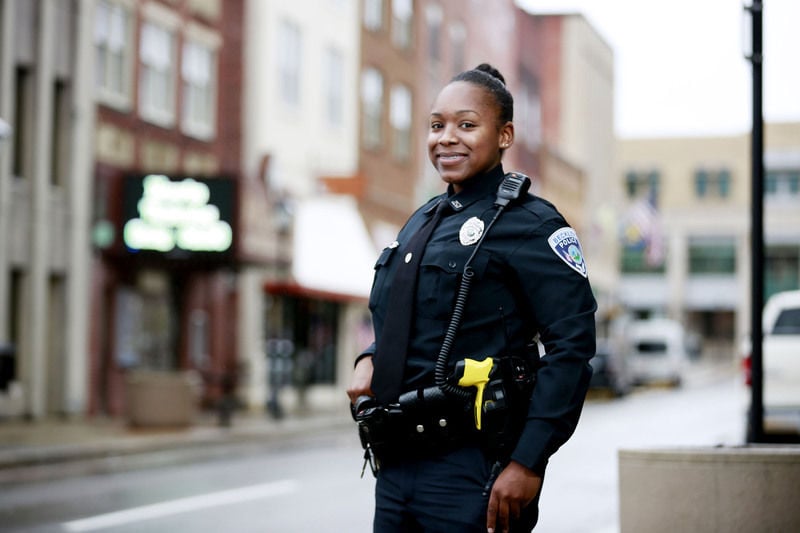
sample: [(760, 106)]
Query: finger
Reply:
[(491, 513), (502, 516)]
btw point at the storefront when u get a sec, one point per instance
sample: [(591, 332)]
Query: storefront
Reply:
[(317, 319), (165, 292)]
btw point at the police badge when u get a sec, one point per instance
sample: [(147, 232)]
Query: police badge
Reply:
[(471, 231), (564, 242)]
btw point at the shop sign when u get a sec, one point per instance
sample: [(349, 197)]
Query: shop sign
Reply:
[(178, 216)]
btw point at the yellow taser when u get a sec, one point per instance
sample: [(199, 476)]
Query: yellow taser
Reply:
[(476, 374)]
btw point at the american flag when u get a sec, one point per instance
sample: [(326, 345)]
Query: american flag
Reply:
[(642, 229)]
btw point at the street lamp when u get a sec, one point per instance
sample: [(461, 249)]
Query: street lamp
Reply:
[(755, 427)]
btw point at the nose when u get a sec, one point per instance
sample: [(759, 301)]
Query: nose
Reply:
[(448, 136)]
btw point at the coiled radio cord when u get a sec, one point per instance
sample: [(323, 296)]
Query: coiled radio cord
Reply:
[(441, 369)]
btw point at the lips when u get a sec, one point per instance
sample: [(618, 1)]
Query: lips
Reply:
[(450, 158)]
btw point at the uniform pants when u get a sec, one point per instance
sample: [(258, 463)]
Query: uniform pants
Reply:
[(440, 494)]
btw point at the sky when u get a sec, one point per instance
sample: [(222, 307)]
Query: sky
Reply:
[(680, 68)]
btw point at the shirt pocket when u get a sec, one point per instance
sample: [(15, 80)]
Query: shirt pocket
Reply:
[(440, 276), (380, 289)]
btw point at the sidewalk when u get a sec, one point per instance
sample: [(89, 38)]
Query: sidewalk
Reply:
[(48, 449)]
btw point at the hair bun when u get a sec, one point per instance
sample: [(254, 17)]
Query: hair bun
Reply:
[(488, 78), (490, 70)]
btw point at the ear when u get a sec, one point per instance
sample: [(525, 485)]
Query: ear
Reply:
[(506, 135)]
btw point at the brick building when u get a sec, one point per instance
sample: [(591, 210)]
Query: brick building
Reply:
[(167, 151)]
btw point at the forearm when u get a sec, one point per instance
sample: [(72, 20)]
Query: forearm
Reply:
[(561, 385)]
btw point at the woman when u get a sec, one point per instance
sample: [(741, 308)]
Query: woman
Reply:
[(528, 283)]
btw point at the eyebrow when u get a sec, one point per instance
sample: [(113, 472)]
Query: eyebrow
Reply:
[(459, 112)]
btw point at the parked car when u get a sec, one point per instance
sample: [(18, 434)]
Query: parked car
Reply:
[(657, 351), (609, 369), (781, 363)]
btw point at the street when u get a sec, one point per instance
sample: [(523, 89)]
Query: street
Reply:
[(580, 492), (313, 484)]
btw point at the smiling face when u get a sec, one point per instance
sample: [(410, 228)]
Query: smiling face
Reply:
[(466, 137)]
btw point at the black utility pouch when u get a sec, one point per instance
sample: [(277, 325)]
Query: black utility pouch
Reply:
[(423, 423), (505, 404), (378, 427), (434, 422)]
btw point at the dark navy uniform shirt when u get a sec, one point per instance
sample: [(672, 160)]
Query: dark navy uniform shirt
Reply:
[(523, 287)]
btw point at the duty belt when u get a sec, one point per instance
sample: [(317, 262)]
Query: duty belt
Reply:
[(429, 421), (424, 422)]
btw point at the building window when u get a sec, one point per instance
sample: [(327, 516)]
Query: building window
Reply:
[(198, 70), (289, 62), (642, 184), (529, 114), (712, 183), (313, 326), (783, 183), (433, 19), (60, 140), (712, 255), (56, 337), (157, 78), (400, 120), (373, 15), (715, 325), (781, 269), (372, 112), (22, 139), (112, 30), (17, 305), (199, 349), (636, 260), (402, 18), (145, 329), (334, 87), (458, 47), (701, 183)]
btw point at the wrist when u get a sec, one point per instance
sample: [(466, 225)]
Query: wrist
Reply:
[(361, 357)]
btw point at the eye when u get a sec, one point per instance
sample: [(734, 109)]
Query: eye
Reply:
[(436, 125), (466, 125)]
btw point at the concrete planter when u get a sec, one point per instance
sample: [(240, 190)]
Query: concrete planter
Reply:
[(738, 489), (160, 399)]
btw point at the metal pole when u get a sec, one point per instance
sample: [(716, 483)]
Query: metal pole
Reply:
[(756, 422)]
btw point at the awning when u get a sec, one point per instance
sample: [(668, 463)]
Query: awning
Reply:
[(333, 255)]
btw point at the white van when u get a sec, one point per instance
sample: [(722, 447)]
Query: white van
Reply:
[(656, 351)]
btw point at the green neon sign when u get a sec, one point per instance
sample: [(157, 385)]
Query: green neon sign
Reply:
[(177, 215)]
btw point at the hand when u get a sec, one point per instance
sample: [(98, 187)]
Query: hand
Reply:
[(360, 384), (515, 488)]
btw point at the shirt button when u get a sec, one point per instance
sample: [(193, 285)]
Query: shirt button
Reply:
[(451, 264), (408, 257)]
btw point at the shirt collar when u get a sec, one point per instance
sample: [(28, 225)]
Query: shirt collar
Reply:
[(475, 188)]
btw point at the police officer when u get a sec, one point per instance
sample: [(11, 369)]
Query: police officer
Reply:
[(529, 284)]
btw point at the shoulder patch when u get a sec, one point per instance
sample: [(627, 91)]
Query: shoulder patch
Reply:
[(564, 242)]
